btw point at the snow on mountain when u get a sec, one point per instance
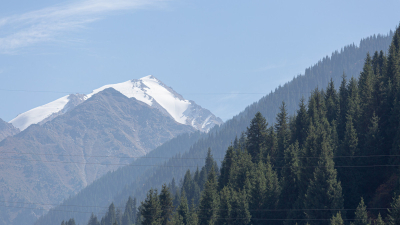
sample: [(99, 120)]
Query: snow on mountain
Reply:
[(36, 115), (148, 89)]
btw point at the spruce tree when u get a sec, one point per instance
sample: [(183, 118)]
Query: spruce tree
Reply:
[(283, 135), (193, 218), (349, 175), (256, 133), (183, 208), (324, 190), (265, 191), (290, 178), (110, 216), (225, 207), (209, 201), (223, 179), (93, 220), (379, 220), (343, 105), (331, 101), (366, 89), (240, 214), (166, 205), (301, 123), (394, 212), (361, 217), (337, 219), (151, 209)]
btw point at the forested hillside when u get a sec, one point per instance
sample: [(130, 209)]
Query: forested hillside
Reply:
[(335, 162), (349, 60)]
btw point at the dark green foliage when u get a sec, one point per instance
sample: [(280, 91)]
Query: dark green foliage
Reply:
[(265, 191), (208, 207), (332, 102), (290, 178), (312, 167), (183, 209), (379, 220), (166, 205), (256, 137), (283, 136), (337, 219), (394, 212), (324, 191), (361, 217), (151, 209)]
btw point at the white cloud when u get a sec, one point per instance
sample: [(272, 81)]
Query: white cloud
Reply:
[(50, 23)]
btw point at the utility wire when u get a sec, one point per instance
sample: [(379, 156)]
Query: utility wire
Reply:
[(160, 157), (261, 219), (120, 164)]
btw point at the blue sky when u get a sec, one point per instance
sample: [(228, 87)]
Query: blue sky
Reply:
[(222, 54)]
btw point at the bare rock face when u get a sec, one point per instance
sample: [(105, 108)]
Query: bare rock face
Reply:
[(7, 129), (47, 163)]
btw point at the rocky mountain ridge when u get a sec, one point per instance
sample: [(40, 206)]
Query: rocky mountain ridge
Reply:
[(148, 90)]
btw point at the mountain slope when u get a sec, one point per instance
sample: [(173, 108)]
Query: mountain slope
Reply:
[(148, 90), (49, 162), (7, 129), (350, 60)]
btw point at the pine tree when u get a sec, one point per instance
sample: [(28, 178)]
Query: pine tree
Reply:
[(193, 218), (265, 192), (209, 201), (350, 178), (93, 220), (343, 105), (183, 208), (225, 207), (223, 179), (283, 135), (332, 102), (361, 217), (151, 209), (324, 191), (129, 216), (110, 216), (271, 144), (166, 205), (291, 178), (337, 219), (256, 133), (240, 170), (240, 214), (379, 220), (394, 212), (366, 89), (301, 123), (71, 222)]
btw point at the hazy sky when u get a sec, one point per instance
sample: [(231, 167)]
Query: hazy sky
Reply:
[(221, 54)]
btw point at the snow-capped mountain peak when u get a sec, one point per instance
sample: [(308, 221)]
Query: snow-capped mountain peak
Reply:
[(148, 90)]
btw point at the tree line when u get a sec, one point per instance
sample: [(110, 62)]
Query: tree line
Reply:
[(335, 162)]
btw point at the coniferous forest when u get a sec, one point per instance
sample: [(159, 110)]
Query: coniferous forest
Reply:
[(336, 161), (172, 159)]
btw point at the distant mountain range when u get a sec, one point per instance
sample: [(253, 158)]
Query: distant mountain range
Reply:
[(66, 144), (148, 90), (135, 180)]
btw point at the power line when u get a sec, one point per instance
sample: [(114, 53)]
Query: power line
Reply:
[(262, 219), (220, 209), (120, 164), (160, 157), (188, 93)]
